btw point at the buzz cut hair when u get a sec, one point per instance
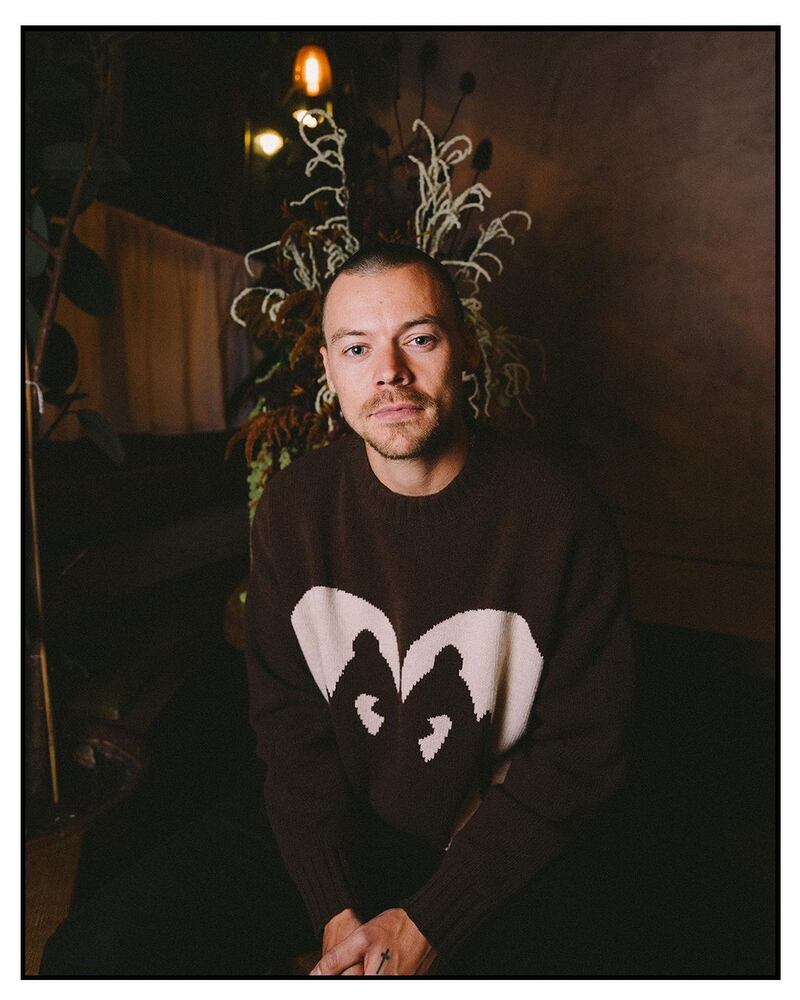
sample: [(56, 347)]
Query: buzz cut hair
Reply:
[(379, 257)]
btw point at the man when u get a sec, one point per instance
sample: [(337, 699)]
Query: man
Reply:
[(439, 665), (437, 643)]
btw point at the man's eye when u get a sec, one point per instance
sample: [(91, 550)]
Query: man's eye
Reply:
[(424, 336), (355, 347)]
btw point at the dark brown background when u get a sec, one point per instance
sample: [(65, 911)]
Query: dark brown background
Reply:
[(646, 159)]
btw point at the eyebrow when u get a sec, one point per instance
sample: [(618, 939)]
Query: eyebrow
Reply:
[(426, 319)]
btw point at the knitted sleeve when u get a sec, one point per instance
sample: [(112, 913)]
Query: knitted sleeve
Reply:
[(308, 798), (571, 758)]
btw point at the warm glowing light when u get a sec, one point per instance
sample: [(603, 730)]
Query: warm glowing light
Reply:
[(311, 74), (312, 70), (305, 118), (268, 142)]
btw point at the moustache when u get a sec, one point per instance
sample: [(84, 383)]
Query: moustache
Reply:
[(415, 399)]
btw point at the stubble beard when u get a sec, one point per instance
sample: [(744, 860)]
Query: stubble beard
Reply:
[(423, 435), (406, 441)]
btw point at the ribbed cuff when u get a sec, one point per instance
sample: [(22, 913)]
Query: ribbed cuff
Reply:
[(327, 884), (451, 905)]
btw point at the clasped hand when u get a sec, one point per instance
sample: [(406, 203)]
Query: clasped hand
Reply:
[(391, 941)]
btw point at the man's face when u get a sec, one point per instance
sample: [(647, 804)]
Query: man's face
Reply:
[(391, 341)]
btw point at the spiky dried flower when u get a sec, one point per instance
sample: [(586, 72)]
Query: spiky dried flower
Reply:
[(297, 410), (467, 83), (482, 159)]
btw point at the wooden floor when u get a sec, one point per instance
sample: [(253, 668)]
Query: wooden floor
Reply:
[(51, 864), (50, 868)]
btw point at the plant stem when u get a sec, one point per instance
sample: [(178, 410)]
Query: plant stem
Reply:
[(69, 223), (65, 409), (452, 117), (38, 655), (462, 233), (399, 131), (397, 112), (47, 247)]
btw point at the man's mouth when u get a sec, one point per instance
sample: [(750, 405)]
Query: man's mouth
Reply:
[(397, 411)]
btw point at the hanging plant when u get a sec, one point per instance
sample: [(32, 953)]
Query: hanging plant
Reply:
[(295, 411)]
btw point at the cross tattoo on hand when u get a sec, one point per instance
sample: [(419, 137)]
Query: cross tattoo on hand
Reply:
[(384, 958)]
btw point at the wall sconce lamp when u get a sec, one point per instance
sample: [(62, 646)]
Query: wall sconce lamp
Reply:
[(312, 71), (268, 142)]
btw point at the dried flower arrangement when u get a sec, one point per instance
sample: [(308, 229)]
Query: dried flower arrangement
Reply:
[(295, 410)]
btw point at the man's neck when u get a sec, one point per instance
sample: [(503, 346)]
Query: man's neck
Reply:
[(426, 474)]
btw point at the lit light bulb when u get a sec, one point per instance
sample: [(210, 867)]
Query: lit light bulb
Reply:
[(269, 142), (305, 118), (311, 75), (312, 70)]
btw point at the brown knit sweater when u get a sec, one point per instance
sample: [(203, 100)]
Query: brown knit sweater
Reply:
[(451, 670)]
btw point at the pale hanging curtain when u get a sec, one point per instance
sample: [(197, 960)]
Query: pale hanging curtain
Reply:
[(165, 360)]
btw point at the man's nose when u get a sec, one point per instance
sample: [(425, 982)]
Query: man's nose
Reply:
[(391, 367)]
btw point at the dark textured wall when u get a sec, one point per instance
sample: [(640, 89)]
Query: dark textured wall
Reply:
[(647, 162)]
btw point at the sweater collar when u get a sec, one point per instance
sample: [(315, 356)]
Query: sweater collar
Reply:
[(463, 490)]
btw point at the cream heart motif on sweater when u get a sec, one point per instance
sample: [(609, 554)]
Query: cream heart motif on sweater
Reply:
[(501, 663)]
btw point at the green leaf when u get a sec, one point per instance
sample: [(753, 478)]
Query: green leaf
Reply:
[(35, 257), (32, 323), (99, 430), (246, 388), (59, 364), (86, 280), (63, 398), (55, 195), (67, 158), (36, 289), (46, 82)]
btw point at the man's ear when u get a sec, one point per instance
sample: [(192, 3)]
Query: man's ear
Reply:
[(324, 352)]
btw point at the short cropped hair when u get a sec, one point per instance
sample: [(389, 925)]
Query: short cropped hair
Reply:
[(384, 256)]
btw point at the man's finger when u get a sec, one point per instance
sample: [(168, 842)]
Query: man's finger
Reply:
[(377, 965), (342, 956), (354, 970)]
